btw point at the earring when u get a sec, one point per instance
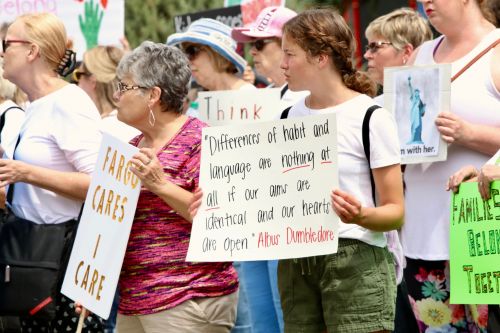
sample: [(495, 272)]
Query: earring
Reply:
[(404, 61), (151, 117)]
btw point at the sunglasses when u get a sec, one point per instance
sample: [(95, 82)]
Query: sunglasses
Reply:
[(7, 43), (374, 46), (78, 73), (259, 44), (123, 88), (192, 51)]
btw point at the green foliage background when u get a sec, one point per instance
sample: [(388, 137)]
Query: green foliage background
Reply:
[(153, 19)]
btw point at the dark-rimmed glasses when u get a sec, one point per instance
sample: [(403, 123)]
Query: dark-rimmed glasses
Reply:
[(123, 88), (192, 51), (374, 46), (259, 44), (6, 43), (78, 73)]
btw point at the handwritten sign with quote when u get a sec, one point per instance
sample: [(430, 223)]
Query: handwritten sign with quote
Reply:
[(475, 246), (266, 191), (101, 240), (229, 106)]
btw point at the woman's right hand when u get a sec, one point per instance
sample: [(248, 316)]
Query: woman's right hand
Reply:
[(486, 176), (195, 203), (468, 173)]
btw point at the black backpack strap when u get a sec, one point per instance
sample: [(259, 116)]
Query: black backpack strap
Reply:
[(366, 145), (283, 90), (2, 118), (285, 113)]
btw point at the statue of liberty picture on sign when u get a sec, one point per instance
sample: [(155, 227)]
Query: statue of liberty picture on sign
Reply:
[(416, 95)]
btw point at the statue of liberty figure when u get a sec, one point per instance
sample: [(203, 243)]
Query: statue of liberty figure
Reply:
[(417, 111)]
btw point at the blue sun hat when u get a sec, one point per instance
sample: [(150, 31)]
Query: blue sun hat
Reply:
[(214, 34)]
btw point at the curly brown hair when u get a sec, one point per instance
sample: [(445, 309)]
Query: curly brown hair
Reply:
[(324, 31)]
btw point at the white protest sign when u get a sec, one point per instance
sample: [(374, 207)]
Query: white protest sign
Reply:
[(267, 191), (416, 95), (92, 32), (101, 240), (229, 106)]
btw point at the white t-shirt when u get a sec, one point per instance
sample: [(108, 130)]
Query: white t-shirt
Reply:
[(354, 175), (474, 98), (60, 132), (13, 120), (110, 124)]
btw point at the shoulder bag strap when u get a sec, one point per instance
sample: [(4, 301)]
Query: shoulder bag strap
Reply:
[(366, 144), (2, 118), (476, 58), (283, 90), (285, 113)]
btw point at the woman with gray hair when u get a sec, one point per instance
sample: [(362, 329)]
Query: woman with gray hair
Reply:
[(159, 290)]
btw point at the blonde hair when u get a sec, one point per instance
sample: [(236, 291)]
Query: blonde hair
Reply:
[(101, 62), (47, 31), (401, 27)]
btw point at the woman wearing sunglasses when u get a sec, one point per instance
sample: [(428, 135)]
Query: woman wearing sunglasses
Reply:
[(96, 75), (212, 55), (59, 141), (264, 36), (392, 38)]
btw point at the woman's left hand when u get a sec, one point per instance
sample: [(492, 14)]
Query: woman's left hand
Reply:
[(148, 169), (453, 129), (347, 207)]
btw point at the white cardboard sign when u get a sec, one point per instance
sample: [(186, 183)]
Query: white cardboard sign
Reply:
[(416, 95), (101, 240), (267, 191), (230, 106)]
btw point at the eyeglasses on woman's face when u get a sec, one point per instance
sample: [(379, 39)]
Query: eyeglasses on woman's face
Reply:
[(78, 73), (123, 88), (6, 43), (192, 51), (259, 44), (373, 47)]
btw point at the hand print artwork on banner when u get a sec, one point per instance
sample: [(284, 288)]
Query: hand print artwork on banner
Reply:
[(88, 22)]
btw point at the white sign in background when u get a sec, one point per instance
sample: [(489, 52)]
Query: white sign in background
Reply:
[(433, 83), (267, 191), (231, 106), (110, 31), (101, 240)]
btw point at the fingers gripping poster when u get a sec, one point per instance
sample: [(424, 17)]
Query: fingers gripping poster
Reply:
[(416, 95), (266, 191)]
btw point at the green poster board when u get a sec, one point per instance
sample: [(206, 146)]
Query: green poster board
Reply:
[(475, 246)]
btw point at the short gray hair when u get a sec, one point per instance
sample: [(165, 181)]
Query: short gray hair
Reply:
[(401, 26), (159, 65)]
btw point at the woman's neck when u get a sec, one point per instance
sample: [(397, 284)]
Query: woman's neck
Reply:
[(328, 93), (226, 81), (41, 85), (458, 42), (167, 124)]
